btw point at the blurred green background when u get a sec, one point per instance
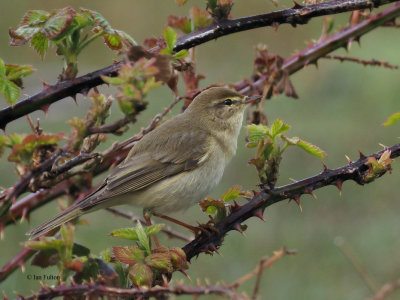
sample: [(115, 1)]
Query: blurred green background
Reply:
[(341, 108)]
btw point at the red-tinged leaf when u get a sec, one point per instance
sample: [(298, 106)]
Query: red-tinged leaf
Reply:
[(113, 41), (150, 42), (234, 193), (160, 261), (128, 255), (99, 19), (200, 18), (181, 2), (181, 23), (58, 23), (141, 275), (178, 259), (16, 72), (74, 264), (22, 34), (34, 17)]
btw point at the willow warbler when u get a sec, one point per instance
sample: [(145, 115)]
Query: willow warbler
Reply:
[(175, 165)]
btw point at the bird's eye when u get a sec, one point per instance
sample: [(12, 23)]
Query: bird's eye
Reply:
[(228, 102)]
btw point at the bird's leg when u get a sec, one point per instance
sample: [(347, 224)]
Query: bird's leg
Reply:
[(195, 229), (147, 215)]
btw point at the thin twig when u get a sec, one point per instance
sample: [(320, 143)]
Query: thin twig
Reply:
[(166, 229), (386, 290), (356, 263), (364, 62), (264, 264)]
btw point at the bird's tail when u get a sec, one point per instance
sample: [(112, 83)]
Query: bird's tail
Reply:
[(69, 214)]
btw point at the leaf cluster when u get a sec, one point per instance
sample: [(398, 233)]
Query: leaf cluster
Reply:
[(271, 143), (145, 266), (11, 80)]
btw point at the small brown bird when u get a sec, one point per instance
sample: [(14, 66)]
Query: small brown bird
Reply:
[(175, 165)]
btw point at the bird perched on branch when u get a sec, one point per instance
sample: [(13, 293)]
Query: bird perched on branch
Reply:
[(174, 166)]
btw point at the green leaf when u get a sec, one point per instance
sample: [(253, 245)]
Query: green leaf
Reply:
[(99, 19), (181, 2), (113, 41), (125, 233), (308, 147), (393, 118), (23, 34), (3, 144), (2, 69), (153, 229), (143, 239), (112, 80), (256, 132), (278, 127), (141, 275), (16, 72), (121, 274), (181, 54), (128, 255), (58, 23), (170, 37), (10, 90), (46, 243), (40, 43), (126, 37), (234, 193), (160, 261), (33, 17)]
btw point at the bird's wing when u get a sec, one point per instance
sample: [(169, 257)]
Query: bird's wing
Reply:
[(153, 160)]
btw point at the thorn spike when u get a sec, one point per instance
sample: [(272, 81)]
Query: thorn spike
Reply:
[(348, 159), (361, 154), (324, 166), (237, 227), (339, 184), (259, 214)]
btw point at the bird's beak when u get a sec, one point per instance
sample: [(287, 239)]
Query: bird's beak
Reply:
[(252, 99)]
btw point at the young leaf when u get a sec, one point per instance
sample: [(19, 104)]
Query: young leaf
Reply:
[(393, 118), (143, 240), (153, 229), (160, 261), (58, 23), (181, 2), (3, 144), (2, 69), (125, 233), (112, 80), (113, 41), (140, 274), (170, 37), (256, 132), (10, 90), (40, 43), (308, 147), (234, 193), (199, 18), (33, 17), (16, 72), (99, 20), (278, 127), (181, 54), (128, 255)]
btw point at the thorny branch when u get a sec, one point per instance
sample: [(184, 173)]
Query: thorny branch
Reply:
[(95, 289), (364, 62), (296, 15), (355, 171), (118, 152)]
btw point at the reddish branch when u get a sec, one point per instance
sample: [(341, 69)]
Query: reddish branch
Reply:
[(364, 62), (296, 15), (96, 290), (355, 171), (386, 290)]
